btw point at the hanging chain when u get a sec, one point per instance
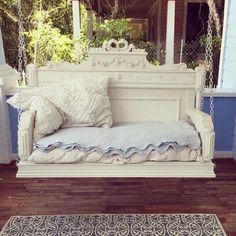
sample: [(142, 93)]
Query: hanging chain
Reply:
[(22, 58), (22, 61), (209, 56)]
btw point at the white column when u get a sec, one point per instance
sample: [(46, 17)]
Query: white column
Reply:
[(76, 18), (8, 81), (2, 54), (225, 21), (5, 136), (7, 73), (170, 32)]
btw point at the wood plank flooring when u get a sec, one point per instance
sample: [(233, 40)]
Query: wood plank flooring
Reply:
[(121, 195)]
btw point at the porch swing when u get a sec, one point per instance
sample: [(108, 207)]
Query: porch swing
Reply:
[(136, 89)]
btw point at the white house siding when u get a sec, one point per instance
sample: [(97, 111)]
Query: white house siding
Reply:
[(8, 79), (2, 55), (228, 67)]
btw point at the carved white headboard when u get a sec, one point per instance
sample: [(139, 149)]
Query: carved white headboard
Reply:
[(138, 90)]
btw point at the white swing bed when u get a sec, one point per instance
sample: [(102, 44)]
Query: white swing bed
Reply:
[(138, 92)]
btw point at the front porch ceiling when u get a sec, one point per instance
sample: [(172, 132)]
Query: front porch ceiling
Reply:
[(132, 8)]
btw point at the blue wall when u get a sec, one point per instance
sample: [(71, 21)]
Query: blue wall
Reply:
[(225, 114), (13, 116)]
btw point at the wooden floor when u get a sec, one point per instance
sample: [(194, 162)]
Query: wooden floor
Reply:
[(117, 195)]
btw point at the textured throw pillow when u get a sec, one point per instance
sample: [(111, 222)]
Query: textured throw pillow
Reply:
[(47, 118), (84, 101)]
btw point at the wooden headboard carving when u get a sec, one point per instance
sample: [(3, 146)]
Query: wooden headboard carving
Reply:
[(138, 90)]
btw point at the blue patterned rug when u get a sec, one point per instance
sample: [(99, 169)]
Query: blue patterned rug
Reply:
[(115, 225)]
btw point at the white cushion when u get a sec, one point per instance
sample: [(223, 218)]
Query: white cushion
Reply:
[(47, 118), (84, 102)]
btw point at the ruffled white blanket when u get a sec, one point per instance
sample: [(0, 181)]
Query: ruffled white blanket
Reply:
[(124, 139), (76, 156)]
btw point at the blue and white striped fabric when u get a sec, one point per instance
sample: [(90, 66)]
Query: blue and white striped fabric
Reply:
[(124, 139)]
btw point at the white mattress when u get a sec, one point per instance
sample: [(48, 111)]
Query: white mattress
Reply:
[(76, 156), (124, 139)]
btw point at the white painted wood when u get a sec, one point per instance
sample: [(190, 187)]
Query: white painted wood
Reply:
[(229, 41), (201, 78), (2, 53), (138, 91), (154, 93), (227, 51), (8, 81), (146, 169), (170, 31), (220, 92), (9, 77), (228, 48), (25, 134), (76, 18), (5, 135), (204, 125)]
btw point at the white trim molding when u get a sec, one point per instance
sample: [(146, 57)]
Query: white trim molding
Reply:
[(147, 169), (220, 92), (223, 154)]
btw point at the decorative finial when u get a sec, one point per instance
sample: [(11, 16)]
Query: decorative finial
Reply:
[(119, 46)]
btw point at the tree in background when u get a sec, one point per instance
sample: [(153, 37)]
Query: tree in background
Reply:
[(48, 41), (50, 21), (111, 28), (48, 26)]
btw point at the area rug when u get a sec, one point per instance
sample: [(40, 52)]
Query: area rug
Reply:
[(115, 225)]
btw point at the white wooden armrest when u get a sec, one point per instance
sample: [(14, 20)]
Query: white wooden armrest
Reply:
[(25, 134), (204, 126)]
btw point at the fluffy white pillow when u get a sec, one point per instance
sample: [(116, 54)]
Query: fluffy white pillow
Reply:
[(47, 118), (84, 101)]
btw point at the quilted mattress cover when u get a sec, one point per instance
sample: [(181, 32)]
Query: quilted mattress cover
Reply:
[(124, 139)]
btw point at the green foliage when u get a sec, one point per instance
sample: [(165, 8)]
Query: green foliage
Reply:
[(155, 53), (84, 21), (194, 54), (48, 41), (48, 26), (81, 49), (216, 41), (195, 51), (58, 11), (110, 28)]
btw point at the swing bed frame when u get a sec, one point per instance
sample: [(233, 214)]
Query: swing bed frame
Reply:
[(138, 92)]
